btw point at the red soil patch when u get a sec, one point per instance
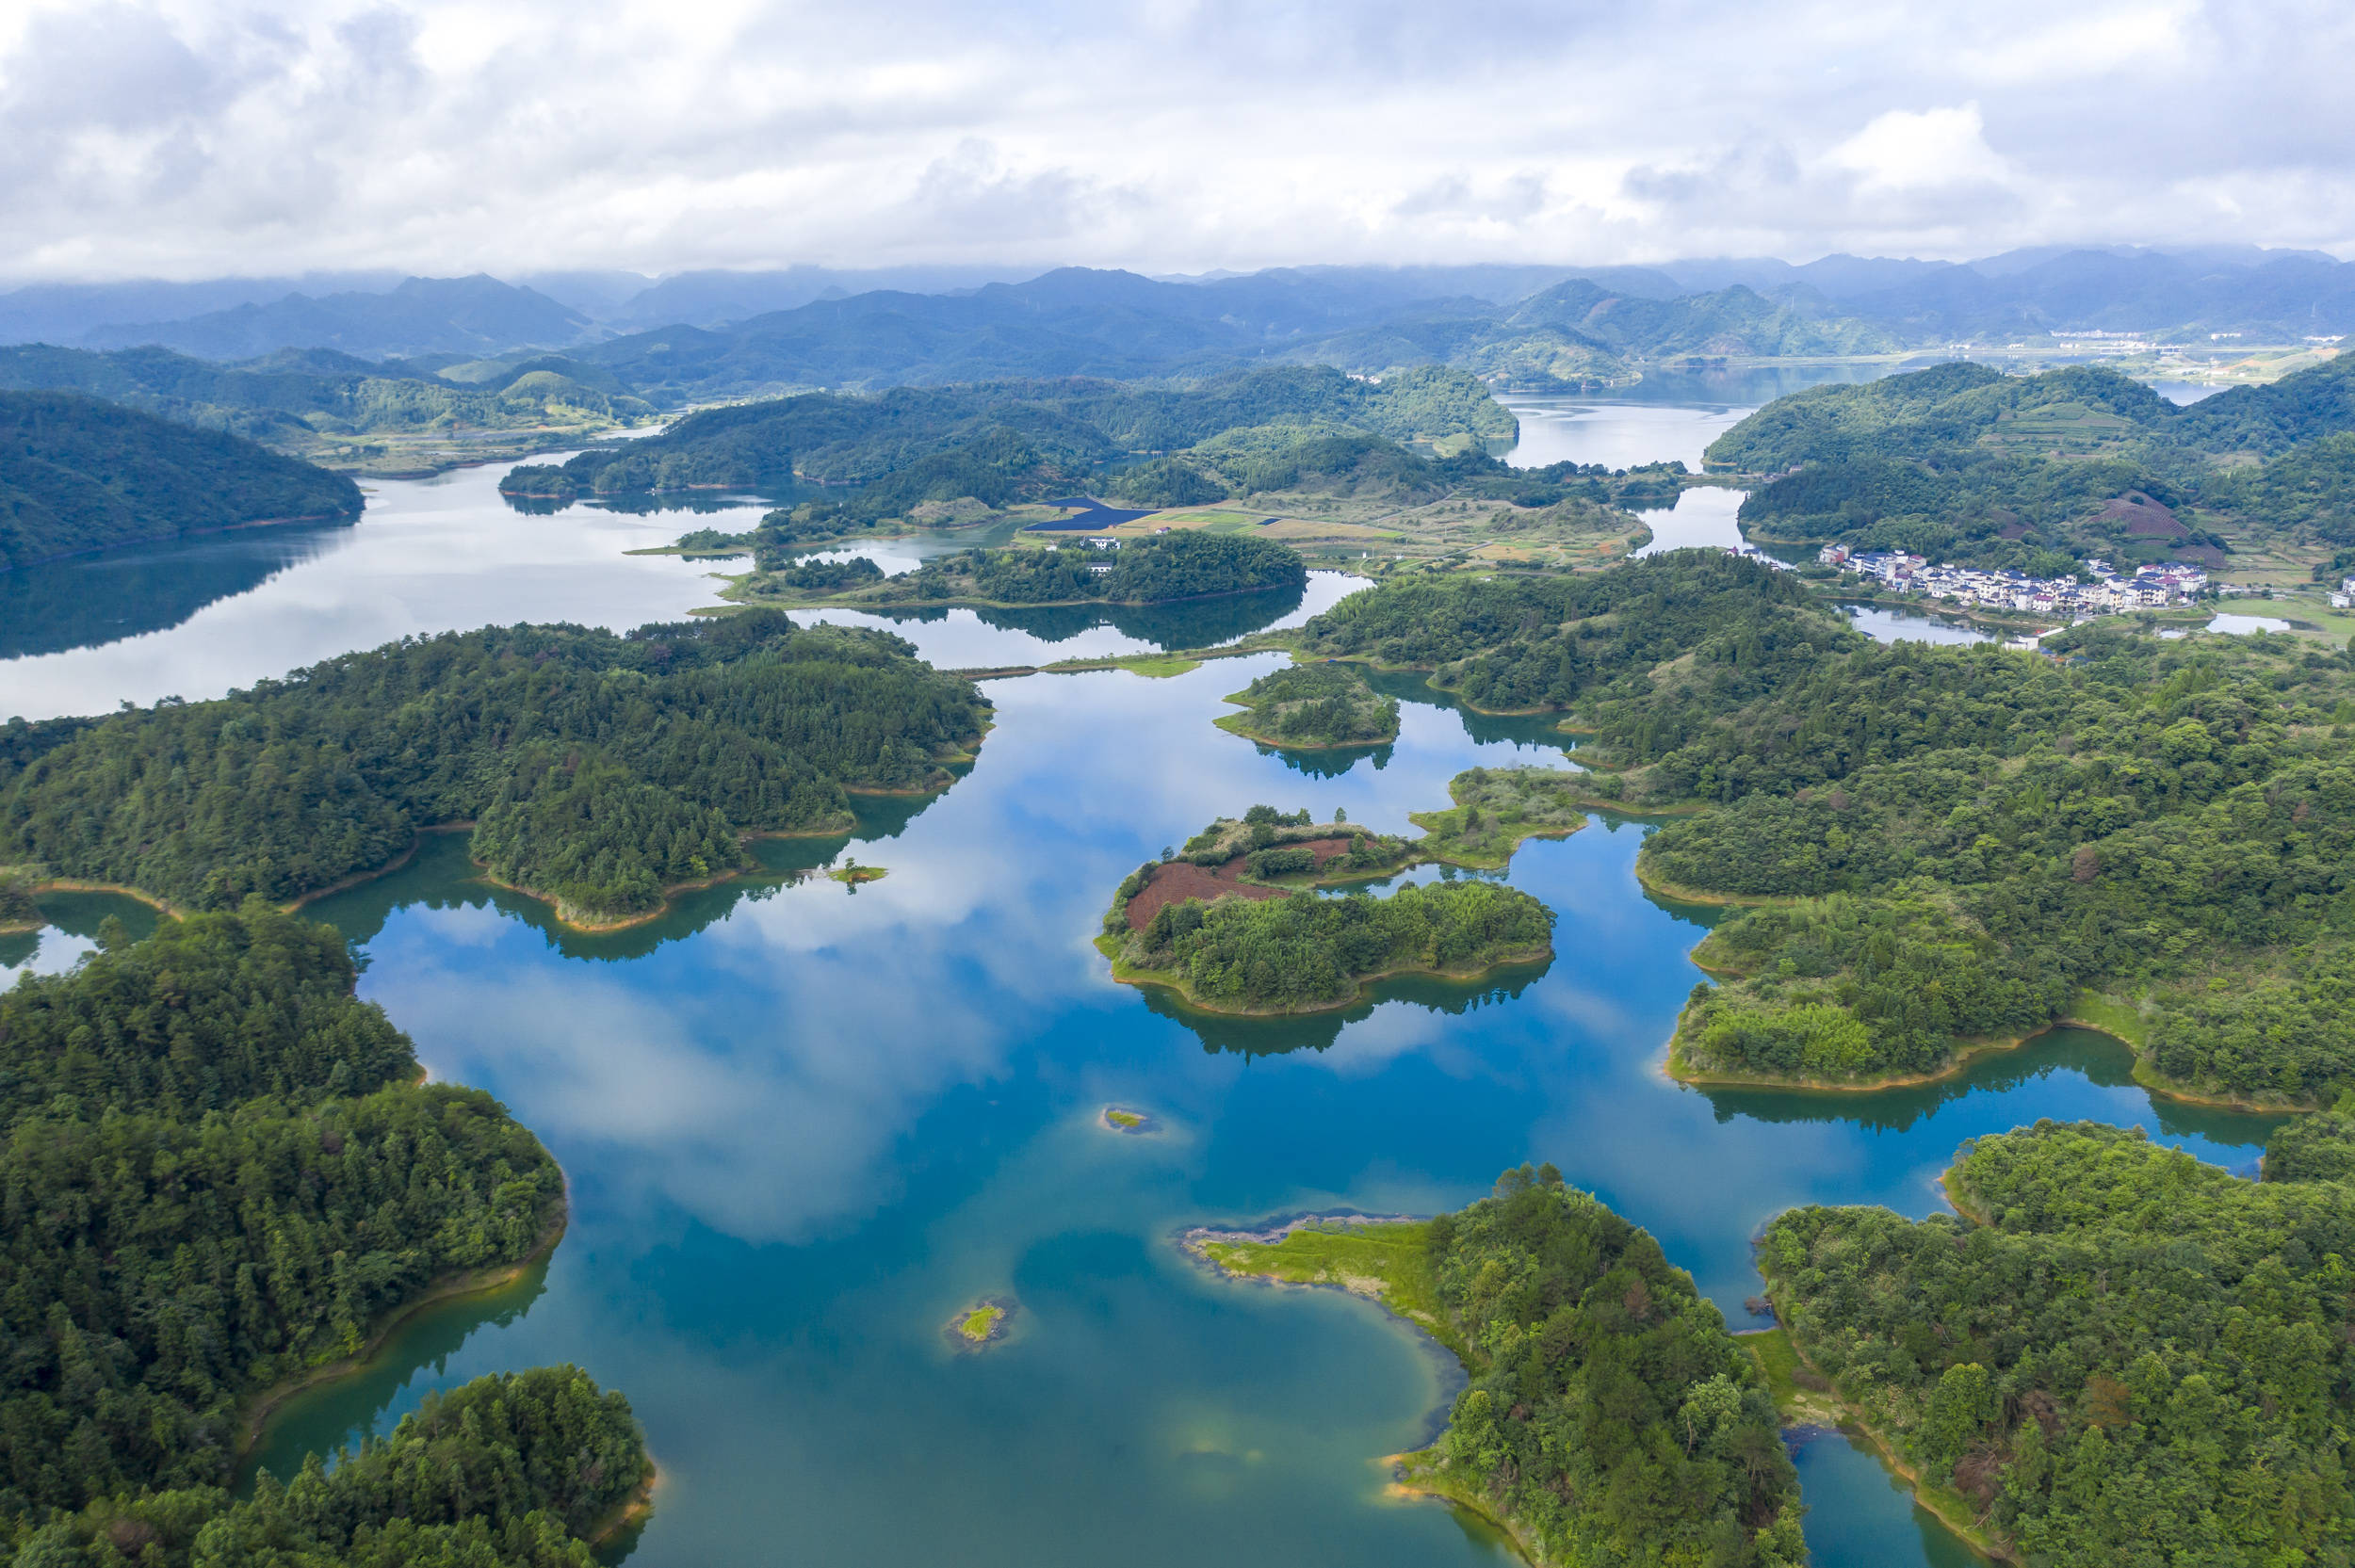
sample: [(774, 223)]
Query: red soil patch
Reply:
[(2144, 517), (1181, 879)]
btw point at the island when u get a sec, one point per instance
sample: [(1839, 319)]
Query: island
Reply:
[(77, 474), (1120, 1118), (1609, 1417), (1234, 927), (602, 773), (2112, 1347), (854, 876), (983, 1324), (167, 1091), (1157, 570), (1313, 706)]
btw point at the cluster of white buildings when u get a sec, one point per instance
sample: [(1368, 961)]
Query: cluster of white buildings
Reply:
[(2149, 587)]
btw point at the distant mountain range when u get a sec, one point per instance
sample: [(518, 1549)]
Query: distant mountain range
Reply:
[(719, 333)]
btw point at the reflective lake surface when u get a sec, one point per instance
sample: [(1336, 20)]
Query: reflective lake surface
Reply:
[(201, 616), (804, 1124), (1884, 624)]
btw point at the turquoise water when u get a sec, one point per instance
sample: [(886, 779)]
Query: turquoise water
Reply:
[(803, 1125)]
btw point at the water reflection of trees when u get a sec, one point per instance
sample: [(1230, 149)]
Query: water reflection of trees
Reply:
[(90, 601), (1317, 1031), (2101, 1060), (322, 1417), (440, 877), (1328, 762), (1520, 729), (1192, 623)]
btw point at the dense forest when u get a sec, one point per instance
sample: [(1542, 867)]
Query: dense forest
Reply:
[(1304, 951), (1954, 842), (1186, 564), (220, 1170), (1529, 641), (1314, 704), (514, 1470), (597, 769), (2117, 1354), (1609, 1418), (77, 473), (1964, 464), (1004, 442)]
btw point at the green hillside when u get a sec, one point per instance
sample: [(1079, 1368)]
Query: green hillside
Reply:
[(77, 473)]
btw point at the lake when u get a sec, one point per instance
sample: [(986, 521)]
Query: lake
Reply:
[(804, 1124)]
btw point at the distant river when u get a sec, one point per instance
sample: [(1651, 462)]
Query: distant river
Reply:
[(804, 1125)]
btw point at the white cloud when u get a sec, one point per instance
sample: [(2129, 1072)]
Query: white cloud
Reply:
[(1931, 150), (200, 137)]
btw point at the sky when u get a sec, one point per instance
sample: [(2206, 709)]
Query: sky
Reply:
[(187, 139)]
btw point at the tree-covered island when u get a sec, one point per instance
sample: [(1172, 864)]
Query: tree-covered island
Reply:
[(224, 1181), (2113, 1353), (1155, 570), (595, 771), (1321, 705), (1935, 848), (1232, 923), (1610, 1417)]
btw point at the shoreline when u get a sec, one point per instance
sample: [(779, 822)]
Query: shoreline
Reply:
[(199, 533), (1674, 1064), (1406, 1482), (556, 908), (1171, 981), (1661, 887), (632, 1510), (254, 1423), (1232, 724), (874, 607), (1940, 1507)]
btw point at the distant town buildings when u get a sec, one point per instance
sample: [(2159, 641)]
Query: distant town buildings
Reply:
[(2149, 587)]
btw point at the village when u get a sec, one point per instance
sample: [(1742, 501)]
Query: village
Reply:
[(2155, 586)]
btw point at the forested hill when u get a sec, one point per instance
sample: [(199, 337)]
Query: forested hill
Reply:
[(2121, 1355), (220, 1173), (1003, 441), (598, 769), (77, 473), (1950, 844), (1610, 1418), (163, 1099), (1965, 464), (307, 402)]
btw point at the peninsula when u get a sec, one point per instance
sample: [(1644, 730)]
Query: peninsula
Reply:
[(1320, 706), (159, 1096), (600, 772), (1609, 1417), (2038, 1359)]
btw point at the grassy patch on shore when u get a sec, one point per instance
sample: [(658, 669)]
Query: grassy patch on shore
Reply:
[(1388, 1261), (1802, 1394)]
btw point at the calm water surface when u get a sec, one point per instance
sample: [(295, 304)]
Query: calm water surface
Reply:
[(804, 1125)]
